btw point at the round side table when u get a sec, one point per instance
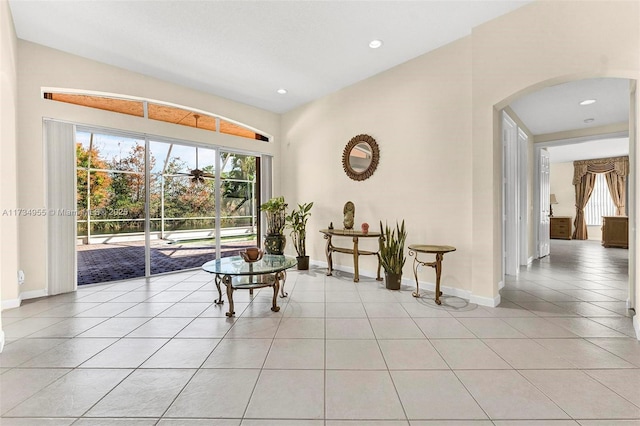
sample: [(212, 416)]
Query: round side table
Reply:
[(439, 251)]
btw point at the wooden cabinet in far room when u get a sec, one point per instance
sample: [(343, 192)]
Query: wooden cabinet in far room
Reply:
[(615, 231), (560, 227)]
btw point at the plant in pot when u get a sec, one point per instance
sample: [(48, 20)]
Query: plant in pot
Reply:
[(297, 222), (392, 255), (274, 240)]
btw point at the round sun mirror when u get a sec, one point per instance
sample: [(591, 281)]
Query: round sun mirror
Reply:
[(360, 157)]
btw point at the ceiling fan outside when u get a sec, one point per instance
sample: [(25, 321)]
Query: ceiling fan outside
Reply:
[(197, 175)]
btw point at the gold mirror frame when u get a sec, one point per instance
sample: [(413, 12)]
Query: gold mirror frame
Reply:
[(375, 157)]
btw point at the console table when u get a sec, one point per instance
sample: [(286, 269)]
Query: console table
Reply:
[(439, 251), (235, 274), (355, 251)]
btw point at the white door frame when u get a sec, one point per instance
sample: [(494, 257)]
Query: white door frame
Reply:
[(510, 195), (523, 158), (515, 223), (543, 208), (632, 201)]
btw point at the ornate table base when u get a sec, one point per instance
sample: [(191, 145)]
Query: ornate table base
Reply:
[(439, 251), (355, 251), (250, 282)]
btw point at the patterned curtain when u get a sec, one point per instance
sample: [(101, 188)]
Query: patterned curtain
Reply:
[(617, 165), (583, 192), (584, 177), (618, 190)]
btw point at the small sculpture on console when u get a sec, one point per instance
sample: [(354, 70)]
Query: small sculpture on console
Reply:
[(349, 215)]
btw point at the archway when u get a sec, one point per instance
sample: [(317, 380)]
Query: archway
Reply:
[(568, 135)]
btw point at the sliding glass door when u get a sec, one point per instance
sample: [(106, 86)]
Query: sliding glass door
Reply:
[(182, 206), (110, 198), (238, 203), (147, 207)]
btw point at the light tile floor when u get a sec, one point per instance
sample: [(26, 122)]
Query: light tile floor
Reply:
[(559, 350)]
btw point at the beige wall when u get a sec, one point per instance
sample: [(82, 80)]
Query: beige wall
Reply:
[(540, 44), (561, 180), (435, 118), (40, 66), (8, 139), (419, 113)]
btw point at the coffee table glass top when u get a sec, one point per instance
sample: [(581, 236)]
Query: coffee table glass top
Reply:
[(235, 265)]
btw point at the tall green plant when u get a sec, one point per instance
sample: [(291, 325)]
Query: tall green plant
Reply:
[(392, 255), (297, 222), (275, 209)]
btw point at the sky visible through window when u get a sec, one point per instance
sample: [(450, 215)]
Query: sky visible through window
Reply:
[(115, 147)]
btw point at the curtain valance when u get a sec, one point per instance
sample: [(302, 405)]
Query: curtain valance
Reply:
[(619, 165)]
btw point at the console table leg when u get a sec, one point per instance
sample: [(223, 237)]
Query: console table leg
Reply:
[(438, 267), (415, 274), (356, 277), (379, 278), (380, 242), (328, 251)]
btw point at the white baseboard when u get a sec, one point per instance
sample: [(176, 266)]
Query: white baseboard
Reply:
[(449, 291), (636, 326), (348, 269), (1, 340), (410, 282), (485, 301), (15, 303), (406, 281), (501, 285), (530, 260), (34, 294), (11, 303)]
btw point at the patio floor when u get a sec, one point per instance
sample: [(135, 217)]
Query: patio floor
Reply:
[(99, 263)]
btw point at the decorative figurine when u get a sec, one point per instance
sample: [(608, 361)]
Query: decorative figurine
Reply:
[(331, 225), (365, 228), (349, 215)]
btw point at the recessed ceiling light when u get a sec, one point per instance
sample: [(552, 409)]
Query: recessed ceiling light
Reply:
[(282, 91), (589, 120), (588, 102), (374, 44)]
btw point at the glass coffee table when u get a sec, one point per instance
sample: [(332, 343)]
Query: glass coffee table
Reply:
[(236, 274)]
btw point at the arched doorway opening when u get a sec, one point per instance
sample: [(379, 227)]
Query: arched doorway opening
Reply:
[(530, 215)]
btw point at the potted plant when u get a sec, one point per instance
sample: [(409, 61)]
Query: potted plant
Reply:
[(392, 255), (274, 240), (297, 222)]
